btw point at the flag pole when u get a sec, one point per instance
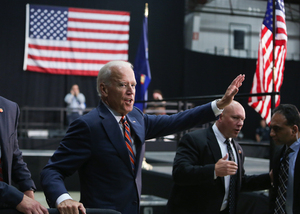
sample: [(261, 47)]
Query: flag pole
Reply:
[(141, 66), (273, 68), (146, 10), (272, 145)]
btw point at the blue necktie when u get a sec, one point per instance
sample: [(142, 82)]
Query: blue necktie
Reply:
[(128, 141)]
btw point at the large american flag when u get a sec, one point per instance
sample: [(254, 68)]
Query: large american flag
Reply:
[(263, 78), (74, 41)]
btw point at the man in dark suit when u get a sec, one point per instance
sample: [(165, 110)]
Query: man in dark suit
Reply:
[(285, 131), (12, 166), (204, 166), (110, 169)]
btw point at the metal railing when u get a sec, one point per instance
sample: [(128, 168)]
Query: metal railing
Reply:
[(46, 121), (54, 118), (43, 118)]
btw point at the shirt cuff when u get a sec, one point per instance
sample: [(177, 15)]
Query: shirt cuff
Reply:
[(215, 109), (62, 198)]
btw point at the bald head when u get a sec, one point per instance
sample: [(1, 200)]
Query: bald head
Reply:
[(231, 120)]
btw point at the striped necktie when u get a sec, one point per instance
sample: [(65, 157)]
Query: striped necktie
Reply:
[(232, 184), (283, 181), (128, 141)]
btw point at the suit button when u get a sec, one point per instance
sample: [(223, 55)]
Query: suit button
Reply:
[(134, 202)]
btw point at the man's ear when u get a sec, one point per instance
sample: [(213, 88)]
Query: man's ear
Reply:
[(295, 129), (220, 117), (103, 89)]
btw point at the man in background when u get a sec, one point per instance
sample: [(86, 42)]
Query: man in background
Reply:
[(262, 133), (284, 125), (158, 107), (76, 103), (12, 166)]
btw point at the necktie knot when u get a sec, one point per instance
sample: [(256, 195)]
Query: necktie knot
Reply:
[(229, 149), (227, 142), (123, 119), (287, 152)]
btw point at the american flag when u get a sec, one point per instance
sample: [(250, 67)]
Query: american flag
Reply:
[(74, 41), (263, 77)]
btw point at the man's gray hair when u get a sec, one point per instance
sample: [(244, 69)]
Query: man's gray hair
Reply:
[(105, 73)]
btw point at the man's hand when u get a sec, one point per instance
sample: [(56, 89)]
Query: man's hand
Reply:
[(29, 193), (29, 206), (231, 91), (224, 167), (70, 206)]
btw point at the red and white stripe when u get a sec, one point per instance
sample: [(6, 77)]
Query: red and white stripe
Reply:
[(263, 78), (94, 38)]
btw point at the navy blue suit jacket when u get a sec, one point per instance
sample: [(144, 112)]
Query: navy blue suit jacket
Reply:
[(13, 166), (94, 146)]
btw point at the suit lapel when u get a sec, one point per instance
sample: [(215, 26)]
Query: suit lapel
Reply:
[(5, 145), (239, 155), (296, 174), (276, 165), (214, 147), (112, 129)]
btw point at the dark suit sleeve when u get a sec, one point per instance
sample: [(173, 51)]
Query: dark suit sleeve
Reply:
[(73, 151), (256, 182), (253, 182), (9, 195), (20, 173), (162, 125), (189, 165), (18, 170)]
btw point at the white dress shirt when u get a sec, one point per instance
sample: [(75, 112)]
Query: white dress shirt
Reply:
[(223, 147)]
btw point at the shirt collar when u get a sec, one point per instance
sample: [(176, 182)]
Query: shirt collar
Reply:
[(295, 146), (220, 137), (116, 115)]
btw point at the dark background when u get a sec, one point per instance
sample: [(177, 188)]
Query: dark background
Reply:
[(176, 71)]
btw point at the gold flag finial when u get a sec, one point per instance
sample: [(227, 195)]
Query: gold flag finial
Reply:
[(146, 10)]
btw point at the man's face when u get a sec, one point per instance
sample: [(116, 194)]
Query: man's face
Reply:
[(75, 89), (157, 96), (281, 133), (119, 95), (232, 120)]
